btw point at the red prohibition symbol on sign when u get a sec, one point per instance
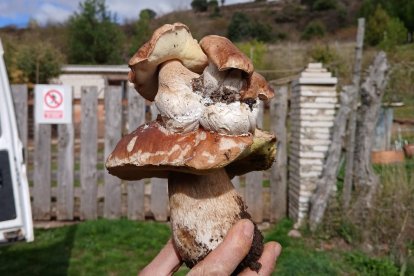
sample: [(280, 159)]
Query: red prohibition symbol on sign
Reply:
[(53, 98)]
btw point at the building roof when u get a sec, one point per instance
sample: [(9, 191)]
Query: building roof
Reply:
[(94, 69)]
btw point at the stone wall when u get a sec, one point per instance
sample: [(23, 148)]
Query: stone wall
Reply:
[(312, 113)]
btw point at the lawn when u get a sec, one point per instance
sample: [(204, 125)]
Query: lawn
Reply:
[(122, 247)]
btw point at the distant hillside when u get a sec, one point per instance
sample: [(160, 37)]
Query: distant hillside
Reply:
[(287, 20)]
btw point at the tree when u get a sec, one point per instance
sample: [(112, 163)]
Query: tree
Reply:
[(151, 14), (313, 29), (403, 10), (199, 5), (239, 27), (35, 63), (142, 31), (94, 37), (384, 30), (377, 24), (395, 34)]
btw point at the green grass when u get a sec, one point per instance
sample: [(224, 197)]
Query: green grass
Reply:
[(122, 247), (99, 247)]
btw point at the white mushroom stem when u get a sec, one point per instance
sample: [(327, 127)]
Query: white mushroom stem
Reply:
[(203, 208), (179, 107)]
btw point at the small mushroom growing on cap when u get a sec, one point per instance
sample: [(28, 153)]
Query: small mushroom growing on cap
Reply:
[(205, 134), (171, 41)]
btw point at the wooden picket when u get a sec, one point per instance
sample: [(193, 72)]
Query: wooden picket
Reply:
[(20, 97), (84, 190), (89, 149), (159, 188), (278, 177), (113, 131), (42, 172), (65, 197), (136, 189), (254, 186)]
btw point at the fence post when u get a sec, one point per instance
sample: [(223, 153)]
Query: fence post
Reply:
[(159, 189), (89, 146), (278, 177), (41, 174), (113, 131), (136, 189), (65, 173), (254, 188), (19, 93)]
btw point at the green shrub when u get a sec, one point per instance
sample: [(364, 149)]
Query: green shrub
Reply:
[(385, 31), (323, 5), (395, 34), (261, 32), (313, 29), (239, 27), (371, 266), (214, 8), (199, 5), (255, 50)]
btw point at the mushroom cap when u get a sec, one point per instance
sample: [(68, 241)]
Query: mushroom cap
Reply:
[(225, 55), (260, 155), (152, 151), (170, 41), (257, 86)]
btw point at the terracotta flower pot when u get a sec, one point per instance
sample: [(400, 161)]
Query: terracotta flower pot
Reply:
[(387, 157), (409, 150)]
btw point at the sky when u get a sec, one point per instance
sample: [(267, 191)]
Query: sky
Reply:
[(19, 12)]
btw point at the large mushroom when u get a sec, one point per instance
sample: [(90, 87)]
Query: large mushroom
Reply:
[(205, 134)]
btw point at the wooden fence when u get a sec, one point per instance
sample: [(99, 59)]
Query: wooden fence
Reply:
[(66, 162)]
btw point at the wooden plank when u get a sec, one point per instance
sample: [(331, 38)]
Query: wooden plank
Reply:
[(113, 131), (253, 195), (327, 181), (159, 188), (350, 168), (278, 177), (65, 173), (89, 146), (253, 191), (159, 199), (41, 174), (260, 115), (236, 184), (19, 92), (136, 189), (154, 111)]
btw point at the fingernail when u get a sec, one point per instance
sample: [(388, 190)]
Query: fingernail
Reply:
[(248, 229), (278, 249)]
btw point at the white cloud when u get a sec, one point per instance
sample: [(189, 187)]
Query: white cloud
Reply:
[(59, 10), (49, 12)]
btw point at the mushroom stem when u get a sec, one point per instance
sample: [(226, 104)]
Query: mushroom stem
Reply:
[(203, 208)]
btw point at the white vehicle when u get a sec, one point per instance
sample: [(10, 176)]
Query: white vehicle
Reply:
[(15, 212)]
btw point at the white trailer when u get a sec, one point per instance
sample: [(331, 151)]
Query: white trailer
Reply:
[(15, 212)]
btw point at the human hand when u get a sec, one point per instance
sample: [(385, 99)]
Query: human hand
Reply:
[(221, 261)]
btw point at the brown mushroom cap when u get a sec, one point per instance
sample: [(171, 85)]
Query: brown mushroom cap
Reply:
[(167, 42), (225, 55), (151, 151), (259, 156), (257, 86)]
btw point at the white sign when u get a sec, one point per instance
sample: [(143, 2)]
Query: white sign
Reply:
[(53, 104)]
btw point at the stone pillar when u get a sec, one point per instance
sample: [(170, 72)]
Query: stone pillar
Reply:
[(312, 113)]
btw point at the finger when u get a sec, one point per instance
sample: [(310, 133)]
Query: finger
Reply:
[(165, 263), (268, 260), (226, 257)]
